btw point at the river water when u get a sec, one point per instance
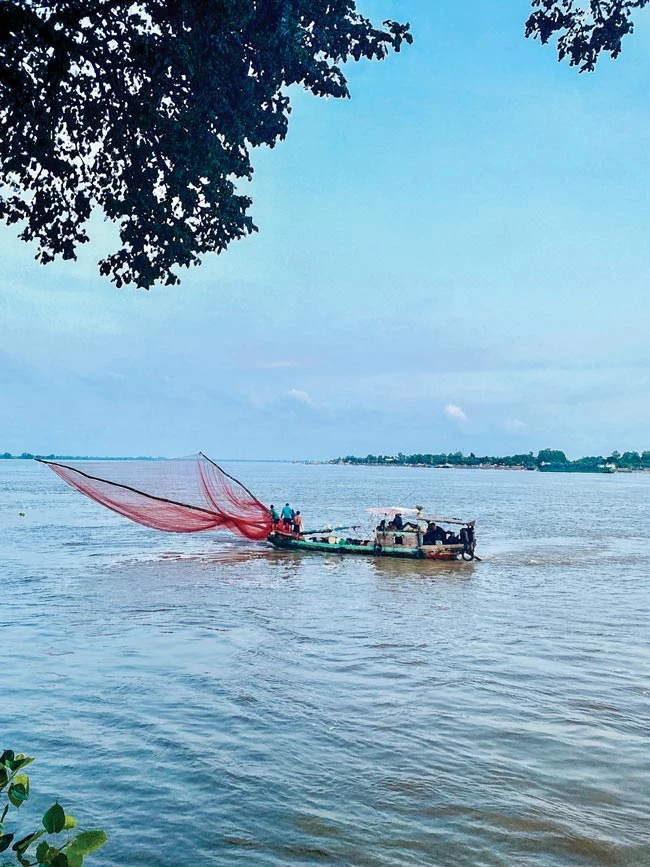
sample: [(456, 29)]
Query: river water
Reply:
[(209, 701)]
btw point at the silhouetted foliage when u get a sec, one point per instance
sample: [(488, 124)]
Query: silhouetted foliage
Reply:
[(584, 28), (149, 109)]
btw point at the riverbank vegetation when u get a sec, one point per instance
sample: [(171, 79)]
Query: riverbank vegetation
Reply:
[(48, 844), (547, 460)]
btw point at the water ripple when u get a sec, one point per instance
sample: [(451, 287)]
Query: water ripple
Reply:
[(205, 696)]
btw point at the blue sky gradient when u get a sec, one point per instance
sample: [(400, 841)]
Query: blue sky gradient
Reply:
[(455, 258)]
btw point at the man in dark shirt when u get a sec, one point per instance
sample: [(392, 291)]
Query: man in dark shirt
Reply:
[(434, 534)]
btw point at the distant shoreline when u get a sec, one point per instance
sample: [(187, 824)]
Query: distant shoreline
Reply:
[(546, 461), (27, 456), (479, 467)]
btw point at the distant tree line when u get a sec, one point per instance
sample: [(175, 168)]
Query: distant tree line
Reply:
[(547, 460), (28, 456), (25, 456)]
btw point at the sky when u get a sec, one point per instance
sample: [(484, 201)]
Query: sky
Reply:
[(454, 259)]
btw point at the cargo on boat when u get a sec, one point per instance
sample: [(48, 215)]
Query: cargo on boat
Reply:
[(421, 537)]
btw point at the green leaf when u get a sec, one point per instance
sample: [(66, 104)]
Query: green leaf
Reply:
[(18, 793), (74, 858), (45, 854), (70, 822), (20, 761), (61, 860), (22, 845), (7, 756), (23, 780), (54, 819), (5, 841), (87, 842)]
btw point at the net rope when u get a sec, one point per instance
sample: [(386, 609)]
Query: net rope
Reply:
[(181, 495)]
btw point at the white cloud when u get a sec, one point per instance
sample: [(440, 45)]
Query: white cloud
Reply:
[(268, 402), (300, 396), (454, 412), (256, 401), (515, 425)]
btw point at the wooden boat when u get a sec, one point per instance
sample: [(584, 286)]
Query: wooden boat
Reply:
[(410, 541)]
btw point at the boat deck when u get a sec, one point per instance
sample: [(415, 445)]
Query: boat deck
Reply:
[(364, 547)]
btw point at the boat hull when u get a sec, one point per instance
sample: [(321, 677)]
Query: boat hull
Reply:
[(366, 549)]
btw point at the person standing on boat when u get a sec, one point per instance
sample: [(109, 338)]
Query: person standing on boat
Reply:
[(275, 515), (297, 524), (287, 517), (287, 513)]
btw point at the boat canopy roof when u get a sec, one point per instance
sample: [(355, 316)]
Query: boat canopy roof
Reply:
[(384, 511), (391, 511)]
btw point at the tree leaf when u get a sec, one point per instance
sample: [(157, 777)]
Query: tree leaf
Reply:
[(22, 780), (70, 822), (17, 794), (87, 842), (54, 819), (22, 845), (20, 761), (45, 853), (5, 841), (162, 160), (74, 858)]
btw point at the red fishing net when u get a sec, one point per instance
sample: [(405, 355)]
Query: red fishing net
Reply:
[(183, 495)]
